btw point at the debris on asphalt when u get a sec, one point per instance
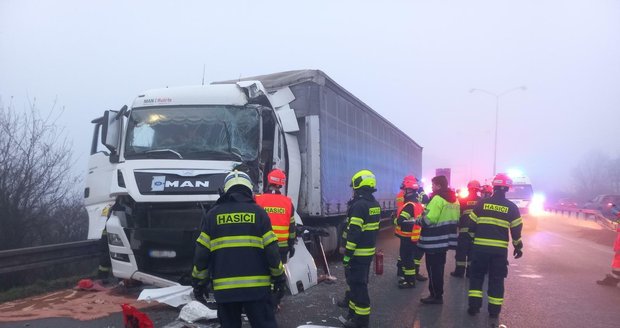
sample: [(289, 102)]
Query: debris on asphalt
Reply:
[(195, 311)]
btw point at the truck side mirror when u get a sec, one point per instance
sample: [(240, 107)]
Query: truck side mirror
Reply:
[(111, 130)]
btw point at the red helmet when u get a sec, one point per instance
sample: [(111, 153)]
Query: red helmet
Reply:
[(409, 182), (502, 180), (276, 177), (473, 184)]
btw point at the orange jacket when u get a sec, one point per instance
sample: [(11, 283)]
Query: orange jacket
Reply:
[(280, 211)]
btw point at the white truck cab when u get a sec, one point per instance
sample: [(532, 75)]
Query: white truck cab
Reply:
[(161, 163)]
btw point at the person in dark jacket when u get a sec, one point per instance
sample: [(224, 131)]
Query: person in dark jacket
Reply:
[(237, 251), (438, 234), (491, 222), (362, 230)]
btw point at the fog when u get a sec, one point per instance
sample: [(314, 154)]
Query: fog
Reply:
[(414, 62)]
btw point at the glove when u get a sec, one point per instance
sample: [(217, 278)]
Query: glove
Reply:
[(291, 251), (517, 253), (345, 261), (201, 290), (279, 285)]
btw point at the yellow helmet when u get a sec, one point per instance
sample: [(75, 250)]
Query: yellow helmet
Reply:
[(363, 178), (237, 178)]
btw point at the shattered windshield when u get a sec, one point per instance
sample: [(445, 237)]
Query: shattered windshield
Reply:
[(520, 192), (200, 132)]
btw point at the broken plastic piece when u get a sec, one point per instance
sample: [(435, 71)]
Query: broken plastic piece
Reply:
[(173, 295), (195, 311), (132, 318)]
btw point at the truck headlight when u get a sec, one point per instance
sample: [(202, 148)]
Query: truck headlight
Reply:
[(115, 239)]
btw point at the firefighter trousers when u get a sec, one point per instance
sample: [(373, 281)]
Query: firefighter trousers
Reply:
[(496, 266), (418, 253), (463, 251), (407, 256), (359, 300), (105, 263), (260, 313)]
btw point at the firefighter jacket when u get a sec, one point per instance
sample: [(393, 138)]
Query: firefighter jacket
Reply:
[(406, 227), (363, 227), (439, 222), (467, 205), (237, 250), (491, 221), (400, 201), (281, 213)]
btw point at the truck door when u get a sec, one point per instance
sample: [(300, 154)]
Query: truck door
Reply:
[(101, 172)]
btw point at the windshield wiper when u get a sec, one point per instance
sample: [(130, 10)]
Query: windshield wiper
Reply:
[(163, 151)]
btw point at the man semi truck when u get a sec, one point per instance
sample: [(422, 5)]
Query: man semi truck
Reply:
[(160, 163)]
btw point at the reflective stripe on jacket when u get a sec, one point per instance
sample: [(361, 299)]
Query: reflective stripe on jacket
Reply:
[(439, 225), (491, 222)]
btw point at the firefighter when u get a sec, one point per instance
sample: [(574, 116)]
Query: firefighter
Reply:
[(362, 231), (438, 234), (281, 212), (408, 231), (486, 191), (463, 247), (613, 278), (105, 264), (400, 202), (491, 221), (237, 251)]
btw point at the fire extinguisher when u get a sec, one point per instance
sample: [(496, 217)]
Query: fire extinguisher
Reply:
[(379, 262)]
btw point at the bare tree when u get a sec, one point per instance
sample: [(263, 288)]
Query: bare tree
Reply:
[(36, 185), (596, 174)]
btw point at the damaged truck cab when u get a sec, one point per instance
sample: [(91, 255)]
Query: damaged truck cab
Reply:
[(163, 162)]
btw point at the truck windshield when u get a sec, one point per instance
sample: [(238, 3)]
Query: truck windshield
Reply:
[(201, 132), (520, 192)]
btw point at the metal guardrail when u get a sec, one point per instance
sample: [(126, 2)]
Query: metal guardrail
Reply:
[(16, 260), (586, 214)]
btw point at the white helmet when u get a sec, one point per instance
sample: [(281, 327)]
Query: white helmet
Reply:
[(237, 178)]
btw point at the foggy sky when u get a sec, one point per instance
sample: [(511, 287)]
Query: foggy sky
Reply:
[(414, 62)]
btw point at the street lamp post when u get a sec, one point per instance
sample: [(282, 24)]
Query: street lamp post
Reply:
[(497, 96)]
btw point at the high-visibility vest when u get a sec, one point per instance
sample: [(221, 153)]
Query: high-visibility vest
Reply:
[(400, 201), (279, 208), (414, 234)]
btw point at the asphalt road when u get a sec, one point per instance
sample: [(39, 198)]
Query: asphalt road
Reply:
[(553, 285)]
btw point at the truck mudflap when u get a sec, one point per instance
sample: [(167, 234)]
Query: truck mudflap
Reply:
[(301, 270)]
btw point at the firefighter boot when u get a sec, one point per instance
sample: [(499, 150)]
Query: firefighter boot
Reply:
[(608, 281), (473, 310), (356, 322), (459, 272), (404, 284)]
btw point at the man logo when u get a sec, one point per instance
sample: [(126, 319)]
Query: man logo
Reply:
[(158, 183)]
